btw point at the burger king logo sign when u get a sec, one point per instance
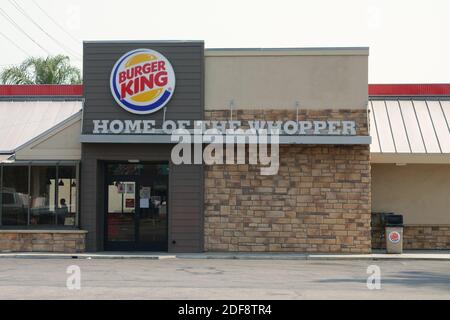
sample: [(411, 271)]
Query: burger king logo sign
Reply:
[(394, 237), (142, 81)]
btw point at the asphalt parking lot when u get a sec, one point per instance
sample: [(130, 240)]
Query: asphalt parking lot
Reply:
[(222, 279)]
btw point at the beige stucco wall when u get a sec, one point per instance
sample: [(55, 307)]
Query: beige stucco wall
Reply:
[(321, 79), (62, 144), (421, 192)]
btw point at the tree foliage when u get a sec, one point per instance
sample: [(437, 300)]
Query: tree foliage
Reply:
[(35, 70)]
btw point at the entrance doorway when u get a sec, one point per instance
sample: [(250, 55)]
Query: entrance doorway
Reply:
[(136, 206)]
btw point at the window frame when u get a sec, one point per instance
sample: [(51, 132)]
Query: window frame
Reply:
[(30, 164)]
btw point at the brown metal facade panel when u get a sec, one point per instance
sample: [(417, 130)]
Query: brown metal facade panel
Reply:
[(187, 102), (185, 208), (185, 213)]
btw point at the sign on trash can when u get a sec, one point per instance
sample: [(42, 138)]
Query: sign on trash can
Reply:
[(394, 233)]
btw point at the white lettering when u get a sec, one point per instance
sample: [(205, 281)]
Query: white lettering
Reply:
[(132, 126), (169, 126), (213, 152), (332, 127), (116, 126), (148, 126), (349, 128), (100, 126), (290, 127), (274, 125), (183, 124), (318, 126), (181, 152), (304, 126)]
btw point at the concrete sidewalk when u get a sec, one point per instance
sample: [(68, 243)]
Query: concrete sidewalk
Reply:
[(94, 255), (377, 255), (408, 255)]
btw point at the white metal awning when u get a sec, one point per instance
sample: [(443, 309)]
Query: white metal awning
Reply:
[(410, 128), (21, 121)]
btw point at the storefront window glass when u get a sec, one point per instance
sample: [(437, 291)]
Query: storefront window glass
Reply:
[(39, 196), (67, 196), (43, 186), (127, 169), (15, 196)]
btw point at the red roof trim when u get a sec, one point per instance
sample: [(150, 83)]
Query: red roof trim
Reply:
[(374, 90), (41, 90), (409, 89)]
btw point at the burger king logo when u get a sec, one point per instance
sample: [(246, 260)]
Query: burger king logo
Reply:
[(394, 237), (142, 81)]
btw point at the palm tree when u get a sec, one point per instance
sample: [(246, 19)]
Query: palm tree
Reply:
[(50, 70)]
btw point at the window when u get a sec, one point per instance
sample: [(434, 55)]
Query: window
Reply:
[(15, 196), (43, 184), (67, 196), (39, 195)]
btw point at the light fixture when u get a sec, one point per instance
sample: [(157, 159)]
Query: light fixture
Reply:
[(60, 183), (133, 161)]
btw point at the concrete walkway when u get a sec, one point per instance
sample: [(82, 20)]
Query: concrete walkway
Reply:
[(193, 279), (378, 255)]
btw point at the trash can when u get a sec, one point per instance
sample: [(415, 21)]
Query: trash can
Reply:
[(394, 233)]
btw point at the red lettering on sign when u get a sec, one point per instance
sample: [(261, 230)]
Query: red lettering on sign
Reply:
[(125, 89), (161, 79), (140, 78), (146, 83), (122, 76), (138, 71)]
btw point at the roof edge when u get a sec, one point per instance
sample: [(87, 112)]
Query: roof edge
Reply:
[(54, 129), (312, 51), (48, 90), (143, 41), (417, 89)]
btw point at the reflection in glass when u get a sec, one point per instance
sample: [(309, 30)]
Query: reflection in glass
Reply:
[(43, 184), (67, 195), (123, 169), (15, 197), (39, 195), (153, 211), (121, 209)]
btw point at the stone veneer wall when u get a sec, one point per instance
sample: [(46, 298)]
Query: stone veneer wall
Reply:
[(318, 202), (433, 237), (42, 241), (359, 116)]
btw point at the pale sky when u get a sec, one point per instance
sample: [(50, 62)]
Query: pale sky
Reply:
[(408, 39)]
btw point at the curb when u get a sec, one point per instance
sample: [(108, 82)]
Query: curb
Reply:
[(316, 257), (385, 257), (244, 256), (85, 256), (225, 256)]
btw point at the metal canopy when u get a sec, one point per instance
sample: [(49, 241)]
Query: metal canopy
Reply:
[(21, 121), (410, 126)]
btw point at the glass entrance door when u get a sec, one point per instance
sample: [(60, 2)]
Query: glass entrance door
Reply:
[(121, 212), (136, 207)]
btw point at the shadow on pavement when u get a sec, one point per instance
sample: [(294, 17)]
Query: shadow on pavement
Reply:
[(415, 279)]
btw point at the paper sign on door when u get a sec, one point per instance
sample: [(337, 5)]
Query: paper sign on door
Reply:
[(144, 203), (145, 192), (130, 188), (129, 203)]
